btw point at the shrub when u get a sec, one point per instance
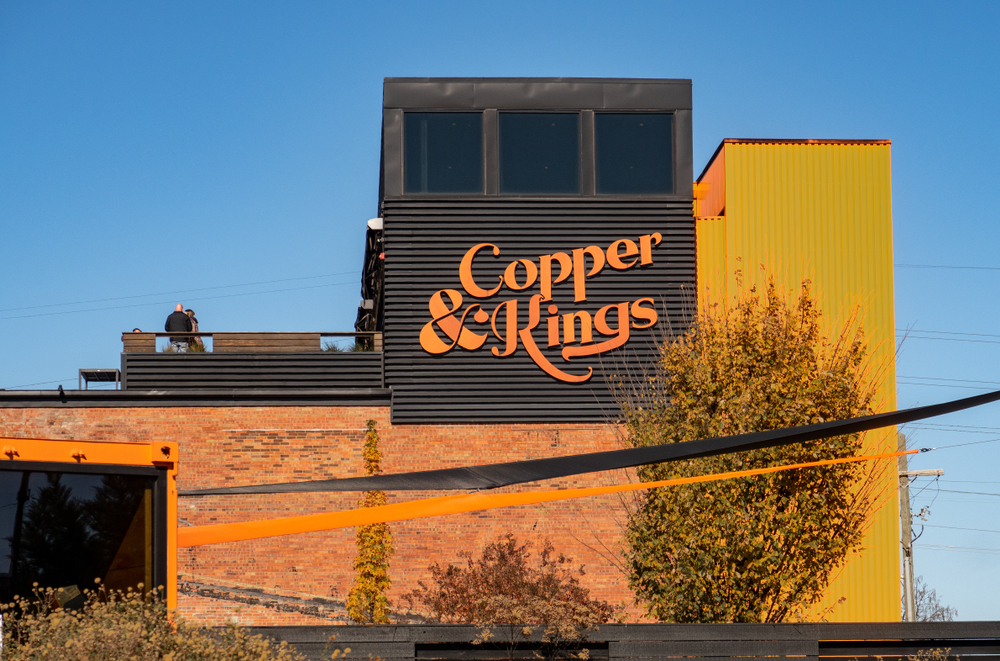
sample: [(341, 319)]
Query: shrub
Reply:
[(112, 625), (501, 588)]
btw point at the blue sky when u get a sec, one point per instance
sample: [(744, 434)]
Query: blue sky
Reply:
[(225, 155)]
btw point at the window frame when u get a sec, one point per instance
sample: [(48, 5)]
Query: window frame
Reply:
[(580, 151), (160, 498), (402, 150), (394, 127), (673, 149)]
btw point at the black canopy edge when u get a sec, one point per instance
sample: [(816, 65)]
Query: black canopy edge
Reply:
[(490, 476)]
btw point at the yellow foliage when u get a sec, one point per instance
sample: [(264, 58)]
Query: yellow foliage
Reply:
[(762, 548), (367, 602)]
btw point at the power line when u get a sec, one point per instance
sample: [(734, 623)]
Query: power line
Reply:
[(201, 298), (940, 385), (949, 339), (40, 383), (932, 525), (934, 332), (964, 429), (182, 291), (947, 267), (937, 378), (970, 549), (969, 493), (958, 445)]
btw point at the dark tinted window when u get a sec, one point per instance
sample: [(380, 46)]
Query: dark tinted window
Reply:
[(63, 530), (443, 152), (539, 153), (634, 153)]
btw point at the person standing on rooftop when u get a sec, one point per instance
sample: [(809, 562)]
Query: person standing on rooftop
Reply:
[(178, 322), (195, 341)]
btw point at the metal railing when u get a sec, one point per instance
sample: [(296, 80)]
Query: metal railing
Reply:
[(250, 342)]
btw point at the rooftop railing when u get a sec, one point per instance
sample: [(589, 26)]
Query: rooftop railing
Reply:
[(251, 342)]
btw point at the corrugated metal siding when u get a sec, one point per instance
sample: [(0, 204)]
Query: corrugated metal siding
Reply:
[(711, 258), (424, 244), (823, 211), (327, 369), (712, 184)]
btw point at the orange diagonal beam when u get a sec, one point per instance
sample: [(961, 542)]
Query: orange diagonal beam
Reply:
[(455, 504)]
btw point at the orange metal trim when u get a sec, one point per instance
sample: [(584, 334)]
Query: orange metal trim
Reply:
[(159, 455), (802, 141), (440, 506), (88, 452)]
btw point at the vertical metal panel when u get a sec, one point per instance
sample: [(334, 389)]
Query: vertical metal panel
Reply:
[(711, 233), (392, 152), (822, 210), (683, 151), (712, 187)]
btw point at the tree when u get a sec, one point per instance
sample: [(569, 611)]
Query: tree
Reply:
[(367, 602), (929, 607), (502, 588), (754, 549)]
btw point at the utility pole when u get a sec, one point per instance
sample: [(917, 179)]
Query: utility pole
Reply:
[(906, 521)]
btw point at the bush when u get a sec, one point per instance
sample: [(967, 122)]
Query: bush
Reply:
[(501, 588), (112, 625), (763, 548)]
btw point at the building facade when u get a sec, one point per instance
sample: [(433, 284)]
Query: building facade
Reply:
[(533, 237)]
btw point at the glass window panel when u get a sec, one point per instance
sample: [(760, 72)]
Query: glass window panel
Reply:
[(539, 153), (443, 152), (634, 153), (63, 530)]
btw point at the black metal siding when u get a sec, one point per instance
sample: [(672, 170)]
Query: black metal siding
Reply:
[(326, 369), (425, 241), (711, 642)]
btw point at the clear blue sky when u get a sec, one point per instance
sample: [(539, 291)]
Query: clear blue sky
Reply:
[(225, 155)]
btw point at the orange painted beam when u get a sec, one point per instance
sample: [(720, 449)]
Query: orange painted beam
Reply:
[(87, 452), (455, 504)]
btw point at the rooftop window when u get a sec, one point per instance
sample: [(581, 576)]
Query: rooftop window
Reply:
[(443, 152), (633, 153), (540, 153), (580, 152)]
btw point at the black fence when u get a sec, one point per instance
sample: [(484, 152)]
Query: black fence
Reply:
[(979, 641), (320, 369)]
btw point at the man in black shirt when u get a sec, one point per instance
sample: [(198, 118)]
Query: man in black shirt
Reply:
[(178, 322)]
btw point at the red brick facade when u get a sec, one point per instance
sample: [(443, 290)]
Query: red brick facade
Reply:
[(303, 579)]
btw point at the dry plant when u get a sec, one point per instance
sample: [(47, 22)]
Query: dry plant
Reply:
[(113, 625), (501, 592)]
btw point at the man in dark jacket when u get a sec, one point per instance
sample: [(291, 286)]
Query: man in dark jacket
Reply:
[(178, 322)]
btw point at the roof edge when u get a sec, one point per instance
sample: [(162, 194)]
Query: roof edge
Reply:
[(791, 141)]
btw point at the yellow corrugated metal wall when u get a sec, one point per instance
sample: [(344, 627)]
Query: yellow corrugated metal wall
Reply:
[(820, 210)]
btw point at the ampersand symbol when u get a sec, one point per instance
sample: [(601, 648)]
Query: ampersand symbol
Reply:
[(443, 316)]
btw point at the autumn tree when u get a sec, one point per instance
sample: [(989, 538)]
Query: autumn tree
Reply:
[(928, 607), (367, 602), (503, 588), (762, 548)]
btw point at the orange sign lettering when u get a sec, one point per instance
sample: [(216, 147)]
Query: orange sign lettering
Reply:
[(579, 332)]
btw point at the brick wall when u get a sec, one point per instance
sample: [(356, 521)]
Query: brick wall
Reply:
[(253, 445)]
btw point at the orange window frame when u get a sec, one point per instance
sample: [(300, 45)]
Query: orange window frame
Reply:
[(106, 456)]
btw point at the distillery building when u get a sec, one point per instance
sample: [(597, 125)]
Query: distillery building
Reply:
[(532, 241)]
